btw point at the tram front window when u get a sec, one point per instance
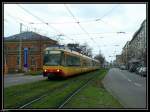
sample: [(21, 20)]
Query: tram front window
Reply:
[(52, 58)]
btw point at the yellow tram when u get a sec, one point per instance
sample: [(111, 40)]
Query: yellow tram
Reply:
[(65, 63)]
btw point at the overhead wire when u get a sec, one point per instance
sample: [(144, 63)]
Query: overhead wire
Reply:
[(78, 22), (73, 17), (16, 19), (68, 22), (19, 20), (50, 26), (99, 19), (92, 20), (87, 21), (108, 12)]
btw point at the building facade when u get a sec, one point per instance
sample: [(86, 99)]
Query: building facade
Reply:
[(119, 60), (138, 45), (33, 43), (125, 54)]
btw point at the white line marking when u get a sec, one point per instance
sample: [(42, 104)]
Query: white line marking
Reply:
[(129, 80), (137, 84), (123, 75)]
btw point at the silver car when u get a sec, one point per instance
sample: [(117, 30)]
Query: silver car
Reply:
[(142, 71), (122, 67), (137, 70)]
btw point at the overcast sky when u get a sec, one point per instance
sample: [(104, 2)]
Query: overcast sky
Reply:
[(94, 24)]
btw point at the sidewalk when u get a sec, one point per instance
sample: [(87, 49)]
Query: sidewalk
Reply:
[(15, 79), (13, 75)]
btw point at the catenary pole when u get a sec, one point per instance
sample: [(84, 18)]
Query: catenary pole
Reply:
[(20, 47)]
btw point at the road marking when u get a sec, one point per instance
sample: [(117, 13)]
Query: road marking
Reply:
[(129, 80), (123, 75), (139, 85)]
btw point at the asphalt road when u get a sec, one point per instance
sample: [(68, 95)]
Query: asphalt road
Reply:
[(15, 79), (128, 88)]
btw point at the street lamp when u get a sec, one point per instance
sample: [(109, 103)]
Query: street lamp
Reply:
[(59, 37)]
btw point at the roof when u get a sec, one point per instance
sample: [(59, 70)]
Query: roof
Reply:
[(126, 45), (135, 34), (28, 36), (70, 51)]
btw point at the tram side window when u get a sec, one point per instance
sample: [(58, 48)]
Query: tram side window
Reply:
[(63, 59), (91, 64), (88, 62), (97, 64), (72, 61), (94, 63), (84, 63)]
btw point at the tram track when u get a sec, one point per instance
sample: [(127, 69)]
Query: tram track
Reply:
[(47, 93), (40, 97), (67, 98), (74, 93), (65, 94)]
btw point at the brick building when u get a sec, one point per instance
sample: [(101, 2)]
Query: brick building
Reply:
[(35, 43)]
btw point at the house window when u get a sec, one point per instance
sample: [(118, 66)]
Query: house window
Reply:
[(32, 61), (33, 48), (18, 60), (18, 47)]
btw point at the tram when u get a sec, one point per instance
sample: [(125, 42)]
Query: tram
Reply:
[(66, 63)]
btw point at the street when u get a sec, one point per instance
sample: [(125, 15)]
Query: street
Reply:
[(48, 44), (128, 88), (16, 79)]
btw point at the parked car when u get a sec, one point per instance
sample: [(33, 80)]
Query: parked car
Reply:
[(143, 71), (137, 70), (122, 67), (132, 68)]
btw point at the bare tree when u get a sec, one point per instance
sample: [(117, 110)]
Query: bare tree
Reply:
[(83, 49), (100, 58)]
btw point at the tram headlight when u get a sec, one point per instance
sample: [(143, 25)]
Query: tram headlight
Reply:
[(57, 70)]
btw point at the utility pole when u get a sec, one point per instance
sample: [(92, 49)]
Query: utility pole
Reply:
[(41, 58), (35, 29), (59, 37), (20, 48), (40, 49)]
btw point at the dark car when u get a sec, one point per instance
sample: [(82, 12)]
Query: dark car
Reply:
[(132, 68)]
